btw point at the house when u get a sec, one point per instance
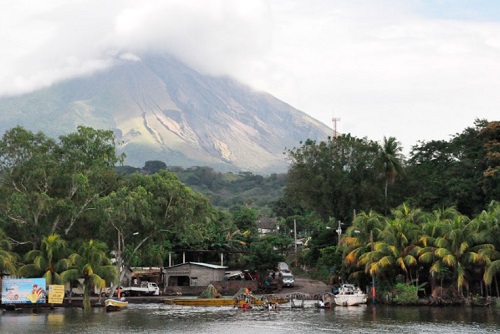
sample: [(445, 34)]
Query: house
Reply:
[(193, 274), (266, 225)]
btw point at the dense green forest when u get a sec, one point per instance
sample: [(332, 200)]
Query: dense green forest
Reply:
[(428, 219)]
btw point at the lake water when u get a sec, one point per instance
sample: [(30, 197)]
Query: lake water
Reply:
[(160, 318)]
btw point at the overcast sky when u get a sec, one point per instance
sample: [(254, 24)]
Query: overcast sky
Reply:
[(413, 69)]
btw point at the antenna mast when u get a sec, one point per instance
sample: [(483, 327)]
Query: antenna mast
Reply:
[(335, 120)]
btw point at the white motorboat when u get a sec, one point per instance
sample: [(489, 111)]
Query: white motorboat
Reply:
[(350, 295)]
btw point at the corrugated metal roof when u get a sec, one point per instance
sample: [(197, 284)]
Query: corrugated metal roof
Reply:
[(207, 265), (213, 266)]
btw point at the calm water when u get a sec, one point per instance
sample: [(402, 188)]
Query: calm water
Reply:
[(159, 318)]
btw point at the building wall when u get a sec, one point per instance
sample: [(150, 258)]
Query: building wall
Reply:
[(206, 275), (199, 275)]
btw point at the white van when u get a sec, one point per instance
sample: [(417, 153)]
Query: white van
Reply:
[(283, 267), (288, 279)]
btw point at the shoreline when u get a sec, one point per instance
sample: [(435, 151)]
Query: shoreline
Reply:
[(487, 302)]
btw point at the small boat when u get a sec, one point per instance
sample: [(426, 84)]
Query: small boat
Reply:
[(324, 305), (203, 301), (209, 297), (115, 304), (350, 295)]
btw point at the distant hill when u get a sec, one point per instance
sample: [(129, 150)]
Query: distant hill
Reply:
[(160, 109)]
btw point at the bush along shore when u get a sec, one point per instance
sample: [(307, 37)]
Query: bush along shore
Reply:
[(408, 294)]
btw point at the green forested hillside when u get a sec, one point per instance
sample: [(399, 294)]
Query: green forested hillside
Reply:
[(226, 190)]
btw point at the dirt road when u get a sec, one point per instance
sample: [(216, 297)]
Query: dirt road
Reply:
[(306, 286)]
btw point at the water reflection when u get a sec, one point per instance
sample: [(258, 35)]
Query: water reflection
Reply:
[(159, 318)]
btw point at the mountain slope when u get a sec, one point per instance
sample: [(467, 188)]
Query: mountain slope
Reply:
[(162, 110)]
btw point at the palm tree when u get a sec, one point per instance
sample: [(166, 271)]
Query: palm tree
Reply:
[(358, 237), (435, 226), (460, 249), (391, 158), (489, 222), (49, 261), (7, 257), (93, 265), (395, 250), (492, 269)]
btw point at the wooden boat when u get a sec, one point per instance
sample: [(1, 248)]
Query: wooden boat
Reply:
[(223, 301), (115, 304), (211, 297), (203, 301), (263, 301), (350, 295), (324, 306)]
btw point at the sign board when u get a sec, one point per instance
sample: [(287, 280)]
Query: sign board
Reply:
[(56, 294), (23, 291)]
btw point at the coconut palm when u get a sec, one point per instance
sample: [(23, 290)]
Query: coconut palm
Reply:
[(459, 249), (93, 265), (358, 237), (49, 261), (7, 257), (435, 226), (391, 159), (489, 222), (394, 248), (358, 241)]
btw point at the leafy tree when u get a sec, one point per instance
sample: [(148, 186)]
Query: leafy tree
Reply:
[(149, 210), (490, 136), (93, 265), (47, 187), (279, 242), (263, 258), (154, 166), (456, 173), (334, 178), (245, 218), (331, 262), (27, 167), (86, 161)]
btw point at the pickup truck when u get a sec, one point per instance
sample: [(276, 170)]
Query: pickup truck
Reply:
[(145, 289)]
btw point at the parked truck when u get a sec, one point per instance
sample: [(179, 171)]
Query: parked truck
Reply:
[(144, 289)]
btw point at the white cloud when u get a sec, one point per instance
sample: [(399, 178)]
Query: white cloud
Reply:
[(388, 67)]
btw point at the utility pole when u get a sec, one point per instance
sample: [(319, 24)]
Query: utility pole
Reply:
[(339, 232), (295, 240), (374, 289)]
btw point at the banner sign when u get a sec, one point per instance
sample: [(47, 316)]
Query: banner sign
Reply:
[(23, 291), (56, 294)]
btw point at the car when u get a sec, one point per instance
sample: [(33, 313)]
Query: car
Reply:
[(282, 266), (288, 279)]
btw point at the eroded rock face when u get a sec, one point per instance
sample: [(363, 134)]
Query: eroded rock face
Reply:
[(162, 110)]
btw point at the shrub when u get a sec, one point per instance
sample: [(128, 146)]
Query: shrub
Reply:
[(405, 293)]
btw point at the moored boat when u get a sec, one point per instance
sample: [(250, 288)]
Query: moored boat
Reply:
[(242, 299), (324, 305), (115, 304), (350, 295)]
